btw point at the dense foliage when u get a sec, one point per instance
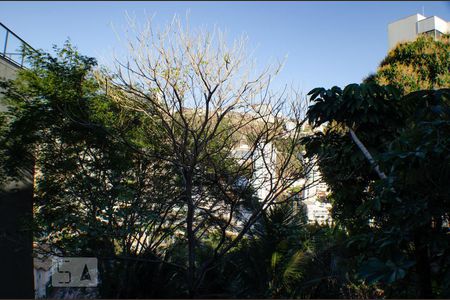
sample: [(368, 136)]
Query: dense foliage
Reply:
[(419, 65), (393, 199), (399, 221), (94, 193), (106, 185), (102, 189)]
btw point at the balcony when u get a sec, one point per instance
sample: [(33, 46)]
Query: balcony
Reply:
[(12, 48)]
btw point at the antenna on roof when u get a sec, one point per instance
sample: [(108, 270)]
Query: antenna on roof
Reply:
[(423, 11)]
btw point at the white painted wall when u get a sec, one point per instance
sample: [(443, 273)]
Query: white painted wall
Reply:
[(409, 28), (317, 211), (264, 164), (432, 23), (403, 30)]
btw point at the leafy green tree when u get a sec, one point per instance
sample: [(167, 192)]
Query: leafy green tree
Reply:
[(388, 175), (419, 65), (96, 192)]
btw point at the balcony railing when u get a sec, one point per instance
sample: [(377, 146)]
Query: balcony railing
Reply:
[(12, 47)]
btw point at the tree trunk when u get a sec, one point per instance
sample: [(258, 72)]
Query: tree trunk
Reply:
[(190, 234), (367, 154), (424, 290)]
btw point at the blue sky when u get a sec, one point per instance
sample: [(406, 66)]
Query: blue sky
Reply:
[(327, 43)]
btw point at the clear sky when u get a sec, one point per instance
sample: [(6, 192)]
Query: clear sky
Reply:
[(327, 43)]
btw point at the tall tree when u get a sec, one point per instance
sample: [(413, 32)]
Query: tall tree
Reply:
[(419, 65), (373, 135), (393, 153), (94, 193), (207, 100)]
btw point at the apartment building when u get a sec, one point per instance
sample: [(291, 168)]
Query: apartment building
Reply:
[(314, 189), (314, 198), (409, 28)]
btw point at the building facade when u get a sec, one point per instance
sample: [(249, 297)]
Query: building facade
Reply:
[(409, 28), (313, 198)]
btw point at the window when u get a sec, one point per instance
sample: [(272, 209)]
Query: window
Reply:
[(434, 33)]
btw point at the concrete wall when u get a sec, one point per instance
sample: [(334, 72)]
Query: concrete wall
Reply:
[(432, 23), (16, 240), (8, 70), (403, 30), (409, 28)]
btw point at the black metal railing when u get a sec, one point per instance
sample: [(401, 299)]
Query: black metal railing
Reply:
[(12, 47)]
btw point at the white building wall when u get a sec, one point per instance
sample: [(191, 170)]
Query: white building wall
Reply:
[(318, 212), (409, 28), (432, 23), (403, 30), (264, 163), (264, 173), (312, 197)]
